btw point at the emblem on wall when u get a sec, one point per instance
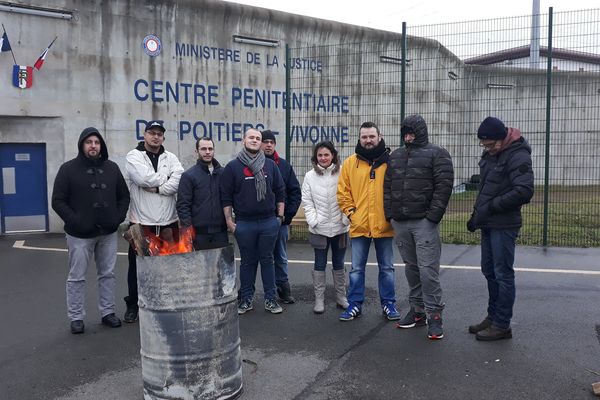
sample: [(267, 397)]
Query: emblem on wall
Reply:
[(22, 76), (152, 45)]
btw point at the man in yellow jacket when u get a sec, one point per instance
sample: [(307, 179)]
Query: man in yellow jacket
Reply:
[(360, 196)]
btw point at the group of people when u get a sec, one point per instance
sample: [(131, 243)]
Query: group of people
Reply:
[(374, 196)]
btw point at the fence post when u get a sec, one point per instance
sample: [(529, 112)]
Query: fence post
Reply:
[(403, 74), (288, 114), (547, 149)]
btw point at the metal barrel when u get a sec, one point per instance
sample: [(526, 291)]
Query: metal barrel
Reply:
[(189, 330)]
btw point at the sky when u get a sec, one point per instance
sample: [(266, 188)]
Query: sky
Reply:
[(389, 14)]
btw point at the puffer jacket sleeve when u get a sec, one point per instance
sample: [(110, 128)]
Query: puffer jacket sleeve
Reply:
[(387, 192), (521, 179), (169, 188), (310, 211), (344, 192), (443, 180), (142, 173)]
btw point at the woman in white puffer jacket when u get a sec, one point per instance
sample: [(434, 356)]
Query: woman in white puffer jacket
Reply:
[(327, 225)]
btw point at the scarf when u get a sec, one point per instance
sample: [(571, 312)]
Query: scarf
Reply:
[(370, 154), (255, 164)]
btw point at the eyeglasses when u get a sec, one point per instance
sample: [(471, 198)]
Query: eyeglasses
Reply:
[(487, 143), (155, 133)]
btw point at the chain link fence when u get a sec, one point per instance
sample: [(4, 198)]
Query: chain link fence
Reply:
[(540, 74)]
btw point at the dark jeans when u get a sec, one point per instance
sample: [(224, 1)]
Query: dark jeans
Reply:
[(131, 257), (280, 256), (337, 254), (497, 259), (204, 241), (256, 241)]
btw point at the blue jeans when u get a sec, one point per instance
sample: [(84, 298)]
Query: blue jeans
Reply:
[(256, 241), (280, 256), (337, 254), (497, 259), (385, 253)]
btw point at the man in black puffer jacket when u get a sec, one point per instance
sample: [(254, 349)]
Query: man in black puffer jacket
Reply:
[(506, 184), (91, 197), (416, 190)]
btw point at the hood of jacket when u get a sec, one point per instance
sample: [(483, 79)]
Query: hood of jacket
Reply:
[(89, 132), (416, 124)]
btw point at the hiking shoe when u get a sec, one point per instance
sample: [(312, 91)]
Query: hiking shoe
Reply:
[(492, 332), (284, 293), (244, 306), (272, 306), (412, 319), (353, 311), (111, 320), (486, 323), (77, 327), (435, 329), (390, 312), (131, 314)]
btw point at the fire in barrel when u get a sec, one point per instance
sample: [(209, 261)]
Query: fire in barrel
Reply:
[(189, 331)]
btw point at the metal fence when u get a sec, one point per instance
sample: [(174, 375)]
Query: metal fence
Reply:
[(539, 73)]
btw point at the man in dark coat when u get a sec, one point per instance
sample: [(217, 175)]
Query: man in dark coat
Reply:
[(506, 184), (91, 197), (416, 190), (293, 197), (199, 199)]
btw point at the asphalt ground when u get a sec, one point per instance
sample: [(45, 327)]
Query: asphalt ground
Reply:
[(554, 354)]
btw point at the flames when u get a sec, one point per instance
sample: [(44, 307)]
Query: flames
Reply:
[(166, 243)]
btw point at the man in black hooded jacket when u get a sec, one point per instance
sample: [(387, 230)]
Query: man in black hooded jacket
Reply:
[(91, 197), (416, 190)]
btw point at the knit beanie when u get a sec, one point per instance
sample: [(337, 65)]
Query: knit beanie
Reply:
[(268, 135), (491, 129)]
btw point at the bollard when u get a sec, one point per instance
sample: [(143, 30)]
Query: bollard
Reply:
[(189, 330)]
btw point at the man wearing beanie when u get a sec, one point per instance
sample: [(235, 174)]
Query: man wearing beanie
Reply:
[(91, 197), (293, 197), (506, 184), (416, 190), (360, 197)]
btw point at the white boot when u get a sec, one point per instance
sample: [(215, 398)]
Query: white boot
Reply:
[(339, 282), (319, 281)]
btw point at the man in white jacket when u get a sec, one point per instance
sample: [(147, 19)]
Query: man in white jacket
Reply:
[(152, 175)]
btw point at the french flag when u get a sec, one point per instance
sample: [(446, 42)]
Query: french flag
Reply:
[(40, 61), (22, 76)]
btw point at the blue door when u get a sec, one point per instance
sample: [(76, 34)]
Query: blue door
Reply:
[(23, 187)]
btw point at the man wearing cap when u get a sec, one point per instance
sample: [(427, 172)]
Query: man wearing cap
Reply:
[(506, 184), (416, 190), (199, 199), (91, 197), (293, 197), (252, 187), (152, 174)]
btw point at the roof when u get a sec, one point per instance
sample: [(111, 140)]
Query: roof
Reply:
[(523, 52)]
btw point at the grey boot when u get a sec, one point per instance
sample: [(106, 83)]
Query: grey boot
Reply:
[(339, 282), (319, 281)]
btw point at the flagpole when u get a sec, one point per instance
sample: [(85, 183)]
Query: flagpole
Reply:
[(11, 50)]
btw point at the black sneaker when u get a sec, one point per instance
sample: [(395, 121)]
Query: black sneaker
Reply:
[(435, 330), (284, 292), (131, 314), (111, 320), (494, 333), (244, 306), (77, 327), (272, 306), (412, 319), (486, 323)]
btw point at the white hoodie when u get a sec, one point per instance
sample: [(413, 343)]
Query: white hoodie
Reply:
[(319, 195)]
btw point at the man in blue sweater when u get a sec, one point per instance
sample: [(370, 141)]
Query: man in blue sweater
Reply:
[(252, 187), (199, 199), (293, 197)]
